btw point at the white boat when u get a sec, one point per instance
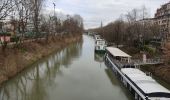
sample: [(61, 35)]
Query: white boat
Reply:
[(142, 86), (97, 37), (100, 44)]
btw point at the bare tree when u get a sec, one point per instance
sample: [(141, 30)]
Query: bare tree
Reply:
[(132, 30), (24, 11), (118, 31), (144, 12), (46, 25), (37, 7), (6, 6)]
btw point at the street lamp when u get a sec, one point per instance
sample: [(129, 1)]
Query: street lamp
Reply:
[(54, 18), (54, 8)]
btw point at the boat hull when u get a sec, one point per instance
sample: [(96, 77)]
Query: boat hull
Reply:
[(100, 51)]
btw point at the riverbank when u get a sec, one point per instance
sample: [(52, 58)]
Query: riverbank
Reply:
[(161, 71), (14, 60)]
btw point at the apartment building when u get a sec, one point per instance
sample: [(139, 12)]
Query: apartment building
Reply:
[(162, 18), (147, 21)]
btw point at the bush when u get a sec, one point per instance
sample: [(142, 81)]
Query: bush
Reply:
[(5, 34), (149, 49), (15, 39), (28, 35)]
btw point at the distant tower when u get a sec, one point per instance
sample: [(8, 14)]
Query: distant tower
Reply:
[(101, 25), (101, 29)]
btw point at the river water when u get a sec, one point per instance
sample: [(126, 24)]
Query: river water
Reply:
[(74, 73)]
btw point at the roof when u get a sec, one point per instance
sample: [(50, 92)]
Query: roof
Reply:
[(98, 37), (117, 52), (146, 83)]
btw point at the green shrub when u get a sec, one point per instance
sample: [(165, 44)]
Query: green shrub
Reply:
[(15, 39), (149, 49), (5, 34)]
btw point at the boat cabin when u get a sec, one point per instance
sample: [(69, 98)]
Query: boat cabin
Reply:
[(119, 55), (100, 42), (97, 37)]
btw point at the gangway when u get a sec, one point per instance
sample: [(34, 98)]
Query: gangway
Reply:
[(156, 61)]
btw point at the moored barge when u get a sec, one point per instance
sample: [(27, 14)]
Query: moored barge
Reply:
[(142, 86), (100, 44)]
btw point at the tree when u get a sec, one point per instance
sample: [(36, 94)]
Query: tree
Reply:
[(24, 11), (73, 25), (45, 26), (118, 31), (132, 30), (37, 6), (6, 6)]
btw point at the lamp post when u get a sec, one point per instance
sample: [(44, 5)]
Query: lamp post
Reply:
[(54, 18), (54, 8)]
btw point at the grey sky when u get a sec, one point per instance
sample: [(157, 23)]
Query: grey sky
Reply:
[(95, 11)]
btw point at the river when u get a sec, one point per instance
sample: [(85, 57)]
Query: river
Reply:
[(74, 73)]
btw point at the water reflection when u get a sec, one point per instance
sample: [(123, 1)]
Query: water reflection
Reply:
[(98, 57), (116, 83), (111, 76), (30, 85)]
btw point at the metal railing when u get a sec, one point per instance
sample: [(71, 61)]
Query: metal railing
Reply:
[(148, 61)]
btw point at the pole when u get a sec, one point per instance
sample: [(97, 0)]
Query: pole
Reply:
[(54, 18), (54, 8)]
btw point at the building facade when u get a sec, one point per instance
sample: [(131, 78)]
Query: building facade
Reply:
[(162, 18), (147, 21)]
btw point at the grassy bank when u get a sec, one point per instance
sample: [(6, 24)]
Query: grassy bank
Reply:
[(14, 60), (160, 71)]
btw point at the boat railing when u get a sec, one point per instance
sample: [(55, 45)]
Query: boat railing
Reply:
[(148, 74), (148, 61)]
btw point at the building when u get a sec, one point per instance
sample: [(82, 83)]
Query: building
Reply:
[(8, 26), (147, 21), (162, 18), (30, 26)]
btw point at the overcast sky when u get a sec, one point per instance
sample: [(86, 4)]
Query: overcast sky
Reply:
[(95, 11)]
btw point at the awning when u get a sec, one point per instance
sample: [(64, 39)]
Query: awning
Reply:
[(117, 52)]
